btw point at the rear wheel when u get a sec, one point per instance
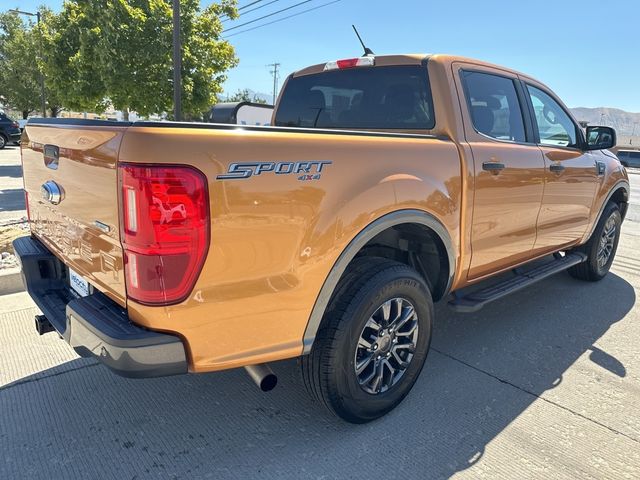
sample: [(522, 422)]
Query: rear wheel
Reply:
[(3, 141), (373, 341), (601, 247)]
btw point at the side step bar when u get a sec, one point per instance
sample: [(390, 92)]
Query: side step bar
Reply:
[(474, 301)]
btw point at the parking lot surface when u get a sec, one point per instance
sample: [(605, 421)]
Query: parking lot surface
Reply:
[(542, 384), (11, 193)]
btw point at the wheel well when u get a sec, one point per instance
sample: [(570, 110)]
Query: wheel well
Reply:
[(417, 246), (621, 198)]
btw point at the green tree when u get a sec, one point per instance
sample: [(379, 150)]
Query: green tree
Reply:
[(69, 62), (245, 96), (119, 52), (19, 74)]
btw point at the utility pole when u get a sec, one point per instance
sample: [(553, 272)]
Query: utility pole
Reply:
[(274, 72), (42, 94), (633, 132), (177, 63)]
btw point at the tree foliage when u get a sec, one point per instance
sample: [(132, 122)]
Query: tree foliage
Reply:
[(119, 52), (245, 96), (22, 50), (19, 74)]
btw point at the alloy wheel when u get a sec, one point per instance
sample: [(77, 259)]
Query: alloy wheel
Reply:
[(386, 345), (607, 241)]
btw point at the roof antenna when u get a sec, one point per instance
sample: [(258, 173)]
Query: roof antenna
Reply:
[(367, 51)]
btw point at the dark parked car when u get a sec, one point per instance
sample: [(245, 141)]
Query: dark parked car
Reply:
[(9, 131), (629, 158)]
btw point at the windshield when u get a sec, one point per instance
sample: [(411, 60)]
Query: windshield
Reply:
[(375, 98)]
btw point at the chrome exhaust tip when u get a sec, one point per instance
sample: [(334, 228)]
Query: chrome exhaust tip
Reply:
[(262, 376)]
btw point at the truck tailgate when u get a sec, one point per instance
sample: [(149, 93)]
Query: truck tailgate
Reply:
[(80, 227)]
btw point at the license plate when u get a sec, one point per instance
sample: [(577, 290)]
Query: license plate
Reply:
[(79, 284)]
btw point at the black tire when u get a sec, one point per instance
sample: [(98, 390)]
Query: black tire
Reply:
[(329, 370), (3, 141), (592, 269)]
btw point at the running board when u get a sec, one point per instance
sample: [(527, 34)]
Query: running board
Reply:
[(474, 301)]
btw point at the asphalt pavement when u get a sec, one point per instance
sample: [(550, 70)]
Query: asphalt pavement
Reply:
[(11, 192), (542, 384)]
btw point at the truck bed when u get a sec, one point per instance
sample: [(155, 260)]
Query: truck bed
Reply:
[(275, 234)]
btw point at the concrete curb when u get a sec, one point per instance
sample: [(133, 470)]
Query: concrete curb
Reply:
[(10, 281)]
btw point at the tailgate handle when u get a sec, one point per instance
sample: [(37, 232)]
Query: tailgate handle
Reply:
[(51, 156)]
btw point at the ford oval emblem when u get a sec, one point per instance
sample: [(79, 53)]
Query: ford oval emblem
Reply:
[(51, 192)]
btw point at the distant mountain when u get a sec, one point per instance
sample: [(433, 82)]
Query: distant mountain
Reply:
[(622, 121)]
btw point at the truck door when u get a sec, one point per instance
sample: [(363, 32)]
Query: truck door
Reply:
[(508, 168), (571, 175)]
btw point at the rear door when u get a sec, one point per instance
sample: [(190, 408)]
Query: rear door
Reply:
[(571, 175), (508, 168), (70, 177)]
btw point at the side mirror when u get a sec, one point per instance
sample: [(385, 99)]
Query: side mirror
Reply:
[(600, 138)]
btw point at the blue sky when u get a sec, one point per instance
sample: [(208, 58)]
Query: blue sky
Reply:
[(588, 51)]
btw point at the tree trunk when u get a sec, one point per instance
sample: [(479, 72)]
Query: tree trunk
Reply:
[(25, 114), (125, 114)]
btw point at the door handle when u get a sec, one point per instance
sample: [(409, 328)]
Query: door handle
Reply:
[(493, 167), (556, 167)]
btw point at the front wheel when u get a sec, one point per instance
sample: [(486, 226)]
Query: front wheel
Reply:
[(373, 341), (601, 247)]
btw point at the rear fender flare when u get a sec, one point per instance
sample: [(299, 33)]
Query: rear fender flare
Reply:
[(374, 228)]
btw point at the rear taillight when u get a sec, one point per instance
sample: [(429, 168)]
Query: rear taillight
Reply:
[(165, 230), (15, 125), (351, 63)]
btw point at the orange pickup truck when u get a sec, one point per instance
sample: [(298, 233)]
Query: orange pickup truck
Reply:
[(385, 184)]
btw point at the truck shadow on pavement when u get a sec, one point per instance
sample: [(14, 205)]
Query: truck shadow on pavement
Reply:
[(484, 371), (12, 199), (13, 171)]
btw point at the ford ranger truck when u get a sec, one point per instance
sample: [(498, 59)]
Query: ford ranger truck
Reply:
[(385, 184)]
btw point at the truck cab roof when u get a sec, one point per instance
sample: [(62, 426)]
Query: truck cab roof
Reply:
[(411, 59)]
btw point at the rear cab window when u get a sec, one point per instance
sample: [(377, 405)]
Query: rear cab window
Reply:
[(376, 98)]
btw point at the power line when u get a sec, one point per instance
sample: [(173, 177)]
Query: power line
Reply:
[(252, 10), (269, 15), (283, 18), (249, 4), (225, 17)]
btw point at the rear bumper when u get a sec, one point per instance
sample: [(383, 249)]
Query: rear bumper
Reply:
[(95, 325), (15, 137)]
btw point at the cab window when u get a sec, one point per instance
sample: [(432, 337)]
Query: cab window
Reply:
[(494, 106), (388, 98), (555, 127)]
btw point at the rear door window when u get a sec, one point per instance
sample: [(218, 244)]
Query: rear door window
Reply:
[(384, 98), (494, 106)]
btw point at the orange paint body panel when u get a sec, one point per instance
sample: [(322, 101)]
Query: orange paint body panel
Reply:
[(275, 239)]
